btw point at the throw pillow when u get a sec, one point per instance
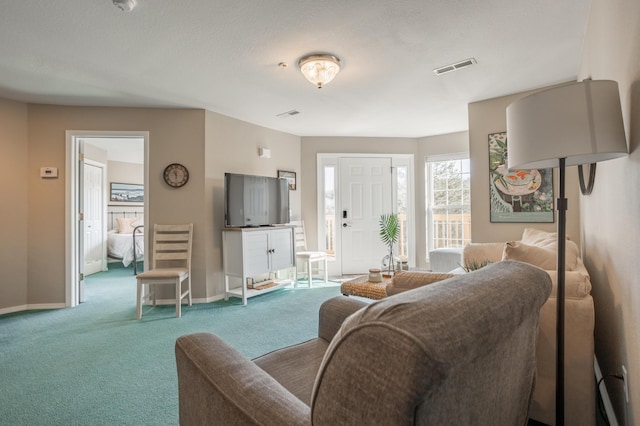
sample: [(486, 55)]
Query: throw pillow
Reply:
[(538, 238), (125, 224), (542, 257)]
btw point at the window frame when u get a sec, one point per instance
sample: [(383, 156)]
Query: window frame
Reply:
[(429, 160)]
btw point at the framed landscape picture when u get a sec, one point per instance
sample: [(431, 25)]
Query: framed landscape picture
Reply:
[(126, 192), (517, 195)]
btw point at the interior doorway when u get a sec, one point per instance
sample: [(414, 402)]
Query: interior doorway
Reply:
[(97, 164)]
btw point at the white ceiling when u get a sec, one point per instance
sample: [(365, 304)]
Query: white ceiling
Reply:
[(223, 55)]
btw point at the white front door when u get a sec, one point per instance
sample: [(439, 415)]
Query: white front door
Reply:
[(365, 194), (93, 189)]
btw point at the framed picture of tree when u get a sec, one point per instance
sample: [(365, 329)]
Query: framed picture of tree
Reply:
[(517, 195)]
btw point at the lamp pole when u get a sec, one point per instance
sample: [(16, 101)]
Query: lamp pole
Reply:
[(562, 232)]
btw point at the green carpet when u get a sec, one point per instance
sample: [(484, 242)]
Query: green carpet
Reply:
[(96, 365)]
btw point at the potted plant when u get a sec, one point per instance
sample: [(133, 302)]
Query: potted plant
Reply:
[(389, 233)]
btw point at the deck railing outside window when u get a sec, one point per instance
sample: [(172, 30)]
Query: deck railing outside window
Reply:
[(451, 230)]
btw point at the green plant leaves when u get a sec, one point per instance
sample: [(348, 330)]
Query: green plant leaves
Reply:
[(389, 229)]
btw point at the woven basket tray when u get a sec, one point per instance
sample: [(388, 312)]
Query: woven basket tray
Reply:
[(363, 288)]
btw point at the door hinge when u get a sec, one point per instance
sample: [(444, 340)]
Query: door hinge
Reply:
[(80, 216), (81, 157), (81, 277)]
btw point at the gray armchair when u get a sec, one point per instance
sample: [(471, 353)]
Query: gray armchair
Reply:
[(461, 351)]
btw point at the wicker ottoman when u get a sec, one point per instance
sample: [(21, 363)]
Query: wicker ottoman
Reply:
[(363, 288)]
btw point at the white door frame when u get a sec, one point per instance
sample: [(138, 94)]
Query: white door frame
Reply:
[(332, 159), (72, 206)]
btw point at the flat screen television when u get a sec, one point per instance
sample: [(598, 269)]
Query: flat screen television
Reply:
[(255, 200)]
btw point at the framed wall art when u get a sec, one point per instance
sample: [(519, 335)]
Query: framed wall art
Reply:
[(517, 195), (126, 192), (290, 177)]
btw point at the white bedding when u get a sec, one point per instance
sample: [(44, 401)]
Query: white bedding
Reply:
[(120, 246)]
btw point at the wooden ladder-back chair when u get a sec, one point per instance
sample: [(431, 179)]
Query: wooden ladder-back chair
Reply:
[(306, 257), (171, 264)]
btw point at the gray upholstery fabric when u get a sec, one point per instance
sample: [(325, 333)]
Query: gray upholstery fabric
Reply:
[(461, 351), (304, 359)]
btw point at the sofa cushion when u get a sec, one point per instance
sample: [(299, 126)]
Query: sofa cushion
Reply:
[(542, 257)]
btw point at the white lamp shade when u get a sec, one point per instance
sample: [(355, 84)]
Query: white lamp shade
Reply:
[(581, 122)]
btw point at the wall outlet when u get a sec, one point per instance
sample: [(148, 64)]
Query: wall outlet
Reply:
[(625, 381)]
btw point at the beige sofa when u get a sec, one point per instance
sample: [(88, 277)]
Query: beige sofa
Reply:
[(454, 354), (579, 326), (539, 248)]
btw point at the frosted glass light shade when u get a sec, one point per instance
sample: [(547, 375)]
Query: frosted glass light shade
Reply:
[(319, 69), (581, 122)]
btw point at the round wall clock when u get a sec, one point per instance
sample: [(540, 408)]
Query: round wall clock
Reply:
[(176, 175)]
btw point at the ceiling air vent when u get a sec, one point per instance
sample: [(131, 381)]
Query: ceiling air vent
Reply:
[(454, 67), (288, 114)]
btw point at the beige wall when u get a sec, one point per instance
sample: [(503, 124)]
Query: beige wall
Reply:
[(14, 162), (486, 117), (96, 154), (174, 136), (610, 214), (34, 136), (122, 172), (232, 146)]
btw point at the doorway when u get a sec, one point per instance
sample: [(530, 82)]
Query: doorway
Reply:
[(353, 191), (87, 220)]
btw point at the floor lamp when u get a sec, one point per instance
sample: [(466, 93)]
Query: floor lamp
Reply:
[(568, 125)]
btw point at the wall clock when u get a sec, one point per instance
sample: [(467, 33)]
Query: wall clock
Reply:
[(176, 175)]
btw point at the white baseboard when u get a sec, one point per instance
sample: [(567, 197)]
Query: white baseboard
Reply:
[(32, 307), (602, 389)]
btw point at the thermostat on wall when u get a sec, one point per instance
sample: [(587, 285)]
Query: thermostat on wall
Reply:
[(48, 172)]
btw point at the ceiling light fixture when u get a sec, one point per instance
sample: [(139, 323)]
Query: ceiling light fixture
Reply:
[(125, 5), (319, 69)]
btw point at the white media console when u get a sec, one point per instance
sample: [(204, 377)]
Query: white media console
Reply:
[(252, 252)]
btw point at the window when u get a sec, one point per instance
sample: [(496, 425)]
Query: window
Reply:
[(402, 200), (330, 211), (448, 201)]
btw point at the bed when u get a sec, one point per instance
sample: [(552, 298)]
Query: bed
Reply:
[(125, 240)]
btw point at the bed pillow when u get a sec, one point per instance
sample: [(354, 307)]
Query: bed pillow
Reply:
[(542, 257), (125, 224)]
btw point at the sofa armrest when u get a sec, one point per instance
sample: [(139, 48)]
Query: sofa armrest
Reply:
[(576, 284), (480, 253), (333, 312), (404, 281), (218, 385)]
